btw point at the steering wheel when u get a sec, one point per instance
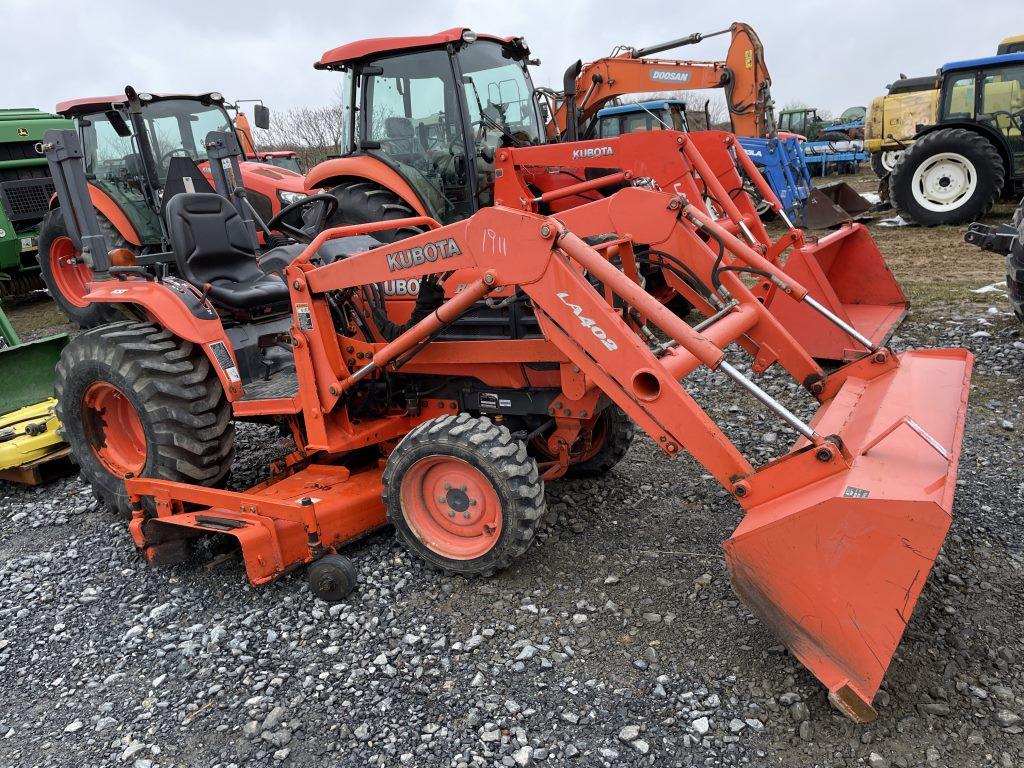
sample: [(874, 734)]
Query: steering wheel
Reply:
[(1016, 118), (176, 151), (330, 205)]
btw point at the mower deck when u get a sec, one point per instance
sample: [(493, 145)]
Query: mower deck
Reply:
[(283, 523)]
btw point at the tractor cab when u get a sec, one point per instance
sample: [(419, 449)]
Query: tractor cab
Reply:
[(988, 96), (669, 115), (129, 156), (139, 150), (801, 121), (435, 109)]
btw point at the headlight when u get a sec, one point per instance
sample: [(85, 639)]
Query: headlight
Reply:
[(291, 197)]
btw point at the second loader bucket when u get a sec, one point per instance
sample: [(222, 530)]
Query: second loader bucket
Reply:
[(835, 567), (833, 205), (846, 272), (26, 371)]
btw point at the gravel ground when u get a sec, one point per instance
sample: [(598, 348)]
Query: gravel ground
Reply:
[(615, 641)]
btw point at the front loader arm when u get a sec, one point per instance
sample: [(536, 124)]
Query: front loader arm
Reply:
[(839, 532), (503, 248), (743, 75)]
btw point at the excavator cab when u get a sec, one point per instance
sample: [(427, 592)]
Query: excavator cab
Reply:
[(436, 115)]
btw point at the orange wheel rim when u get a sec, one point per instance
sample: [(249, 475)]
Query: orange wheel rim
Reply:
[(71, 276), (113, 429), (451, 507)]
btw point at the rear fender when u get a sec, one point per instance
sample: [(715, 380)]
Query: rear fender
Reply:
[(332, 172), (111, 210), (105, 204), (176, 306)]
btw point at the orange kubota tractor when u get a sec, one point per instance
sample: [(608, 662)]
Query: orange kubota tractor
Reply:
[(434, 124), (532, 349), (140, 150)]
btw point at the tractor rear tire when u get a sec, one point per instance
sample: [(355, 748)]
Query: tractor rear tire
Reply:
[(1015, 266), (65, 282), (135, 399), (365, 202), (463, 494), (951, 176)]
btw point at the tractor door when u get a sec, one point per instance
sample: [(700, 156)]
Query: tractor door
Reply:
[(113, 165), (412, 122), (1001, 106)]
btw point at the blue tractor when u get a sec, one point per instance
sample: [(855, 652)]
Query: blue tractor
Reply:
[(973, 153)]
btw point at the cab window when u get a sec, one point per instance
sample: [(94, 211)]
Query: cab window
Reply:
[(1002, 97), (610, 127), (959, 98)]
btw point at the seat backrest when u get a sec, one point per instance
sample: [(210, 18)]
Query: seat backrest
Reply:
[(209, 239), (401, 138)]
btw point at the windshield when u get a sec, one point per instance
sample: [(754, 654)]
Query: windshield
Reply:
[(416, 119), (290, 163), (499, 96), (178, 128), (112, 163)]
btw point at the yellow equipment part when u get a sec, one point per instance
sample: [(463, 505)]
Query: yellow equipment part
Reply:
[(1013, 44), (893, 120), (29, 433)]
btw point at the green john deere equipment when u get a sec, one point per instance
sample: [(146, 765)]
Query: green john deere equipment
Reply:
[(30, 441), (25, 190)]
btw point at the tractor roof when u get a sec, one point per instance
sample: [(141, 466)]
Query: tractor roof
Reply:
[(912, 84), (987, 61), (641, 106), (361, 49), (84, 106)]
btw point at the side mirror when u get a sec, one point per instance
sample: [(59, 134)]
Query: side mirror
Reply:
[(261, 116), (117, 122)]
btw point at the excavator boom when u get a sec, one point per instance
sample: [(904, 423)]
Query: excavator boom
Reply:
[(743, 75)]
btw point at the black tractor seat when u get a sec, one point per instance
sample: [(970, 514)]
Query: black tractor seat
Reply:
[(212, 247)]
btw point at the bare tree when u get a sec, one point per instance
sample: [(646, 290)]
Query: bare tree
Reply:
[(312, 132)]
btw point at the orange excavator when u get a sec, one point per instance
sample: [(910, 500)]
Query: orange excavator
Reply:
[(743, 75)]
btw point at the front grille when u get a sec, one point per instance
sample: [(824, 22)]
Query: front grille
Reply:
[(26, 200)]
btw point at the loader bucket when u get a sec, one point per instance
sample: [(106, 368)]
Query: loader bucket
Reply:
[(26, 371), (833, 205), (846, 272), (835, 568)]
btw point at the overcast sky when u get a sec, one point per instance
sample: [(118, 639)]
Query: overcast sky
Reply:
[(831, 55)]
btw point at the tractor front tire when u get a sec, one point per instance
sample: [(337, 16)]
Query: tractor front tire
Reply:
[(134, 400), (365, 202), (950, 176), (65, 278), (1015, 266), (884, 161), (463, 494)]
